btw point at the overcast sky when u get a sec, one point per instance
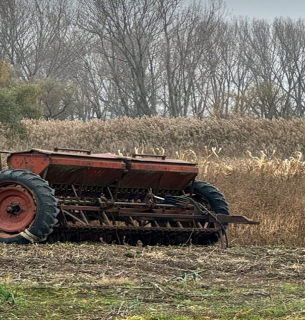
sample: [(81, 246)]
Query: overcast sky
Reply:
[(267, 9)]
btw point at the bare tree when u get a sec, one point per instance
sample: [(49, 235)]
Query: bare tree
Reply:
[(113, 58), (260, 51), (291, 53), (37, 37), (188, 37), (125, 33)]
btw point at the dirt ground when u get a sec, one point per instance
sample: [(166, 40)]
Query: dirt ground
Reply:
[(99, 281)]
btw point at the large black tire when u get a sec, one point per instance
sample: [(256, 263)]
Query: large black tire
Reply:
[(213, 200), (45, 213)]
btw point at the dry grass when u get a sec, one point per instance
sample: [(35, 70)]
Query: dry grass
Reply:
[(265, 189), (264, 185), (180, 134), (277, 202), (96, 281)]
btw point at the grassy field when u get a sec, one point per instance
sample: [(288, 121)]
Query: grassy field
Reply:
[(97, 281)]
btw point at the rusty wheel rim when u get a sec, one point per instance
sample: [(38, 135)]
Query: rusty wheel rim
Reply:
[(17, 209)]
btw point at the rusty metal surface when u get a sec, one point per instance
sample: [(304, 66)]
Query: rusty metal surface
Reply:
[(235, 219), (88, 154), (103, 169), (68, 168), (169, 212), (66, 153), (17, 209), (132, 235), (157, 178), (87, 176), (144, 155), (56, 149), (35, 163), (139, 229), (160, 174)]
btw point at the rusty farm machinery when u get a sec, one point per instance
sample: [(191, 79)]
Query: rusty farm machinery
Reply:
[(74, 195)]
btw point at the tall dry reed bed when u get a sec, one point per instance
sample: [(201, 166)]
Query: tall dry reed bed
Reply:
[(265, 189), (233, 136)]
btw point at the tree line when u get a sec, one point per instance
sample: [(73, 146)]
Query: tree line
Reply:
[(83, 59)]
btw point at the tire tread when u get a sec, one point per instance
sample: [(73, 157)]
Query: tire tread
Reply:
[(47, 210)]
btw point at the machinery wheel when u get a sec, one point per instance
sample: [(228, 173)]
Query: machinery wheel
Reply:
[(213, 200), (28, 208)]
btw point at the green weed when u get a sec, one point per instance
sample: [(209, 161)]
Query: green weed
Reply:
[(6, 295)]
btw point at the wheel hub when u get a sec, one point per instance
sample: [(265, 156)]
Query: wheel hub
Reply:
[(17, 208), (13, 209)]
